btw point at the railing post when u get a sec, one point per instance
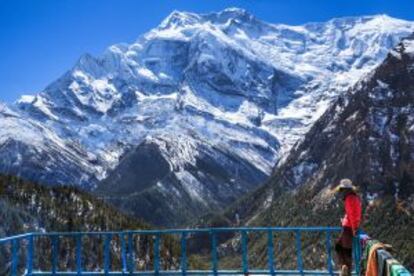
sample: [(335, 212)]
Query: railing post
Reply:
[(270, 251), (184, 253), (329, 252), (245, 262), (359, 250), (299, 251), (79, 254), (123, 252), (357, 253), (29, 256), (213, 252), (157, 254), (107, 253), (55, 252), (130, 253), (15, 257)]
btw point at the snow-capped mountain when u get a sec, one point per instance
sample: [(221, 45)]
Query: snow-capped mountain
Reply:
[(366, 135), (211, 101)]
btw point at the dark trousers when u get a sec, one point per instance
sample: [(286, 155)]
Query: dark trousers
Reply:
[(343, 248)]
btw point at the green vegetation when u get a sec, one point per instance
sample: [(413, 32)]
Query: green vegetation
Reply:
[(29, 207)]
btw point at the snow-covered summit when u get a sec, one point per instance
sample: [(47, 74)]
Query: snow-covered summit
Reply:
[(237, 93)]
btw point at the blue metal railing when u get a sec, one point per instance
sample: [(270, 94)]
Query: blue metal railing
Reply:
[(22, 252)]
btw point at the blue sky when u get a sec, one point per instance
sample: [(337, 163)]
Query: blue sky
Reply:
[(41, 39)]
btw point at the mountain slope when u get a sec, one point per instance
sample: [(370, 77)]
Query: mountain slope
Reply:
[(366, 135), (220, 97), (148, 188), (30, 207), (35, 151)]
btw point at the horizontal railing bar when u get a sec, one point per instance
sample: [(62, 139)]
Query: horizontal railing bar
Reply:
[(198, 230), (16, 237), (230, 229), (197, 272)]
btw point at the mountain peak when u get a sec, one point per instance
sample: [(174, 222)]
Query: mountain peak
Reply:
[(183, 18), (179, 19), (230, 14), (85, 60), (363, 22), (89, 64), (381, 20)]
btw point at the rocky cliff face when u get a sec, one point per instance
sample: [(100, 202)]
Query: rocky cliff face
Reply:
[(212, 101)]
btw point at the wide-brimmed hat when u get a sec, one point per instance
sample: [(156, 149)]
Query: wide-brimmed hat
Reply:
[(345, 184)]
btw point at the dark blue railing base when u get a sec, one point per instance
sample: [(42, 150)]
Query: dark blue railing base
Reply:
[(195, 272)]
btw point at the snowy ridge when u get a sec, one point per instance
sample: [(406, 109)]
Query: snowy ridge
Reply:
[(223, 86)]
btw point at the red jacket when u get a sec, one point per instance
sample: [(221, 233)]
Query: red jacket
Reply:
[(353, 211)]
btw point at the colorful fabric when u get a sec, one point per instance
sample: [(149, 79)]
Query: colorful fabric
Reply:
[(372, 263), (382, 257), (389, 264), (399, 270), (364, 238), (353, 211), (365, 254), (377, 261)]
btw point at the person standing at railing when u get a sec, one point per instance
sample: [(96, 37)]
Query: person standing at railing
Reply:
[(350, 224)]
